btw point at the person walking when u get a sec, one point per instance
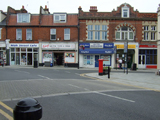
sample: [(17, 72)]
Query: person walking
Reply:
[(120, 63)]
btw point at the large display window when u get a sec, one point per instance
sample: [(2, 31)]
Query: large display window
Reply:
[(69, 57)]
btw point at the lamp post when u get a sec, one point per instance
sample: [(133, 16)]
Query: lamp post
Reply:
[(126, 51)]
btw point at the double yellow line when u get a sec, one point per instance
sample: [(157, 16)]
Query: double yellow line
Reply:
[(4, 113)]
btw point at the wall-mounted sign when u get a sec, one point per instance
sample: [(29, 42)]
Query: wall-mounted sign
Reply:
[(24, 45), (122, 46), (97, 51), (97, 45), (58, 46), (148, 46)]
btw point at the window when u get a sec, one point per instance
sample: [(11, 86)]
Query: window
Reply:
[(67, 34), (29, 34), (145, 35), (88, 59), (23, 18), (0, 32), (97, 32), (104, 32), (151, 57), (153, 28), (124, 33), (152, 35), (59, 18), (145, 28), (18, 34), (53, 34), (90, 32), (125, 12)]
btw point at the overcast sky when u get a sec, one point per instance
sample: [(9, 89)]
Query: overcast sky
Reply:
[(71, 6)]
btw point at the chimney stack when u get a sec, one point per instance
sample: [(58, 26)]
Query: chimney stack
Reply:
[(46, 9), (93, 9)]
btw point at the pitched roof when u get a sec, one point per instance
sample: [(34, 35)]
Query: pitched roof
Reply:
[(47, 20)]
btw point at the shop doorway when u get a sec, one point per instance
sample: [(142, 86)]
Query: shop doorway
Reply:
[(142, 61), (29, 58), (96, 61), (58, 59)]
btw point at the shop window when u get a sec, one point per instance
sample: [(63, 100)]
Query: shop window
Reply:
[(67, 34), (12, 49), (23, 49), (35, 49), (17, 49), (88, 59), (151, 57), (29, 49)]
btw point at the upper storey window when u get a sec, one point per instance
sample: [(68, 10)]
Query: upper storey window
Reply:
[(59, 18), (23, 18), (125, 12)]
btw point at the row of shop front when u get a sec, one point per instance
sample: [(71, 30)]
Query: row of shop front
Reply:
[(67, 54)]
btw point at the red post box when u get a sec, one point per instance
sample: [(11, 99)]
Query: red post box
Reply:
[(100, 66)]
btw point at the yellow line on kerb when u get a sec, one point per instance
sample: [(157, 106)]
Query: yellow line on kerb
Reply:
[(7, 107), (4, 113)]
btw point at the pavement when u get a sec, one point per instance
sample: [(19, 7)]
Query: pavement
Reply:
[(141, 78)]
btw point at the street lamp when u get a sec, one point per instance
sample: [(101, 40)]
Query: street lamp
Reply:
[(126, 51)]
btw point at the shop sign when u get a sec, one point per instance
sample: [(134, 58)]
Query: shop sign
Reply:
[(58, 46), (129, 46), (24, 45), (148, 46), (97, 45), (97, 51), (2, 45)]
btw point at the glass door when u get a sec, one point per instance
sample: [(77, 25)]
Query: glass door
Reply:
[(142, 61)]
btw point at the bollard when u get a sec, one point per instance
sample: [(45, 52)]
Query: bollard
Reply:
[(27, 109), (108, 72)]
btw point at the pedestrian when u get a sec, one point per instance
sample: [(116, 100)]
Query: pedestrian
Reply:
[(120, 63)]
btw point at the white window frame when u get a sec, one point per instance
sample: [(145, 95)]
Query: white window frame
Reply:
[(67, 34), (28, 34), (52, 32), (18, 34), (125, 10), (153, 28), (23, 18), (97, 32), (146, 28), (0, 33), (146, 36), (60, 18), (124, 34), (104, 32), (153, 36), (90, 32)]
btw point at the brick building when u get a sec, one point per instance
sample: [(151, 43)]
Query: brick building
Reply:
[(42, 37), (100, 32)]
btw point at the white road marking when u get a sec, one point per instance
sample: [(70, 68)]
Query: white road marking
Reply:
[(114, 97), (22, 71), (44, 77), (74, 86)]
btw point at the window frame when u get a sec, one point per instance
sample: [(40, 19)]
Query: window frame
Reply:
[(17, 34), (23, 18), (28, 32), (66, 34), (53, 33), (60, 18), (127, 11), (0, 33), (97, 32), (90, 32)]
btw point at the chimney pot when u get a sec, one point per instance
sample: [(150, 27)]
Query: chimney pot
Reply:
[(22, 6), (45, 6)]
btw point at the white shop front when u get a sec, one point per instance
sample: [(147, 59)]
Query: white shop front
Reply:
[(23, 54)]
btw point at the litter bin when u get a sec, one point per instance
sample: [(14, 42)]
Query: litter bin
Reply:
[(35, 64), (27, 109), (134, 66)]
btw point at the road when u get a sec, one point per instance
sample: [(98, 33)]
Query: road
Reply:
[(66, 94)]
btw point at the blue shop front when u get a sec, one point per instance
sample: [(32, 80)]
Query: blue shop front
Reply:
[(89, 53)]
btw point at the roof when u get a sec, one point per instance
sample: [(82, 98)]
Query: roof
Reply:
[(34, 21), (47, 20)]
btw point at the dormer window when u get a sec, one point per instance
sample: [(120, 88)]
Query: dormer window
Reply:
[(23, 18), (59, 18), (125, 12)]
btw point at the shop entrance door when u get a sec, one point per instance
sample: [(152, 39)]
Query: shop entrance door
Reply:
[(96, 61), (142, 61)]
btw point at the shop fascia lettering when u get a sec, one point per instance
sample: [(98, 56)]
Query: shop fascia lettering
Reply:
[(96, 45), (24, 45), (58, 46)]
